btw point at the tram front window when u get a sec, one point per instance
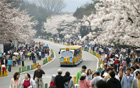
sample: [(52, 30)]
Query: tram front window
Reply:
[(66, 54)]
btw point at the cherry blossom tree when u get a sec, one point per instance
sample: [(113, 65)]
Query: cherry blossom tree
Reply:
[(15, 25), (120, 21), (67, 22)]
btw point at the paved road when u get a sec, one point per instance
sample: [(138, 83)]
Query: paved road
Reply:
[(51, 68)]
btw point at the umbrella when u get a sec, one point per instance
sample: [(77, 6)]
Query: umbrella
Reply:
[(2, 66), (15, 53), (28, 54)]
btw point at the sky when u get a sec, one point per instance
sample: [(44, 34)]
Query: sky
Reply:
[(72, 5)]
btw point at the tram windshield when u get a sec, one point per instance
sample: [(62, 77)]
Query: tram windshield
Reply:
[(67, 53)]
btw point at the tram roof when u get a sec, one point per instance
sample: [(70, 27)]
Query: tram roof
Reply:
[(72, 47)]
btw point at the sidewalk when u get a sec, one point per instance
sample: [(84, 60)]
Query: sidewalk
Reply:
[(26, 63)]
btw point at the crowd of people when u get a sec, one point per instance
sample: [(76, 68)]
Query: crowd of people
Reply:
[(109, 79), (120, 67), (84, 79), (30, 51)]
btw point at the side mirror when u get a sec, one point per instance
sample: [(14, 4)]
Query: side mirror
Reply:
[(59, 52)]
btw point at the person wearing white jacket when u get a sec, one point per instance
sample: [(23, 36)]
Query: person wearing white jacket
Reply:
[(15, 81), (28, 82)]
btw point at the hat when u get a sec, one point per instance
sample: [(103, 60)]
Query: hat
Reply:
[(105, 74), (59, 70), (116, 55), (83, 74), (95, 72)]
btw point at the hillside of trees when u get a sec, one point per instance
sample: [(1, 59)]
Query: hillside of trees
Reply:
[(87, 9), (39, 9)]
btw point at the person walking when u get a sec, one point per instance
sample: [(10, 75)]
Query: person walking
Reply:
[(59, 79), (10, 63), (120, 75), (38, 77), (47, 51), (132, 71), (18, 59), (89, 75), (113, 82), (127, 79), (83, 82), (15, 81), (96, 78), (28, 82), (14, 60), (23, 58), (32, 56), (39, 55), (106, 75), (124, 65), (4, 61), (136, 82), (78, 76), (68, 81), (137, 60), (105, 70), (117, 67), (128, 61)]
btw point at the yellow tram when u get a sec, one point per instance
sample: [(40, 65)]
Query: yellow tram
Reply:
[(71, 55)]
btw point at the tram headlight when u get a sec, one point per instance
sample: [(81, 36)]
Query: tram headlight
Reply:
[(71, 59), (62, 59)]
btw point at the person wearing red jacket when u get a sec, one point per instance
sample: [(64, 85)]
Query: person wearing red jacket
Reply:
[(116, 61)]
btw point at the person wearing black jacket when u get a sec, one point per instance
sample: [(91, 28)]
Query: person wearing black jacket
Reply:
[(113, 82), (59, 79), (105, 70), (4, 62), (68, 82), (38, 77), (137, 60), (128, 61), (117, 67)]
